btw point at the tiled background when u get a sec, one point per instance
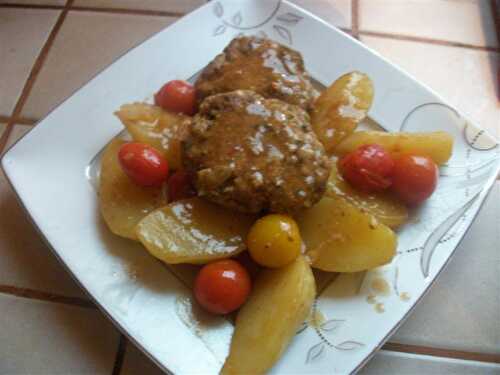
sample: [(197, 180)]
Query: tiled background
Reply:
[(47, 324)]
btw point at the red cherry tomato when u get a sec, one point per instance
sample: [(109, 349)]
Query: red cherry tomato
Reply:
[(178, 97), (180, 186), (368, 168), (143, 164), (222, 286), (414, 178)]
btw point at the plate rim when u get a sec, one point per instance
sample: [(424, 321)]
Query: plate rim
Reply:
[(487, 188)]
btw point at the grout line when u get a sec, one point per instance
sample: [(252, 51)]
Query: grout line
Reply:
[(5, 136), (31, 6), (35, 69), (76, 301), (444, 353), (18, 120), (355, 18), (142, 12), (120, 354), (428, 41), (25, 121), (495, 10), (46, 296)]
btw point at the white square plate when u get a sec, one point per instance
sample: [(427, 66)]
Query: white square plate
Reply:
[(48, 170)]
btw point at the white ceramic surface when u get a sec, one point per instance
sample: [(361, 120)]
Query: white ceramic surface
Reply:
[(47, 168)]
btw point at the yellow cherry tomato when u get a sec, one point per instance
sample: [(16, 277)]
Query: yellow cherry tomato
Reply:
[(274, 241)]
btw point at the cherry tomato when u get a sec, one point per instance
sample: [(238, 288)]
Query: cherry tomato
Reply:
[(274, 241), (143, 164), (180, 186), (178, 97), (414, 178), (368, 168), (222, 286)]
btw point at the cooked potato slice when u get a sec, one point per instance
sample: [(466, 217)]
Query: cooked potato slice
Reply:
[(341, 238), (193, 231), (279, 303), (123, 204), (384, 207), (436, 145), (158, 128), (340, 108)]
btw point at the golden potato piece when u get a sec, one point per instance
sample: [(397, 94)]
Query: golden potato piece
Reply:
[(383, 206), (123, 203), (340, 108), (158, 128), (193, 231), (265, 325), (436, 145), (341, 238)]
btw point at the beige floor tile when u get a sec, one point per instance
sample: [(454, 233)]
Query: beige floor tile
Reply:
[(464, 21), (466, 78), (462, 309), (180, 6), (37, 2), (86, 43), (134, 362), (385, 363), (47, 339), (22, 35), (25, 260), (336, 12)]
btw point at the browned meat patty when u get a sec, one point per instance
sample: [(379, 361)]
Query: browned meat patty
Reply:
[(252, 154), (260, 65)]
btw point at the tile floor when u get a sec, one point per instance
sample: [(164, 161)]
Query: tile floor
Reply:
[(336, 12), (386, 362), (72, 53), (22, 35), (462, 21), (173, 6), (82, 342), (457, 57)]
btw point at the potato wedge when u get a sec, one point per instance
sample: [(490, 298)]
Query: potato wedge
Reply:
[(436, 145), (341, 107), (158, 128), (386, 209), (123, 203), (193, 231), (265, 325), (341, 238)]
